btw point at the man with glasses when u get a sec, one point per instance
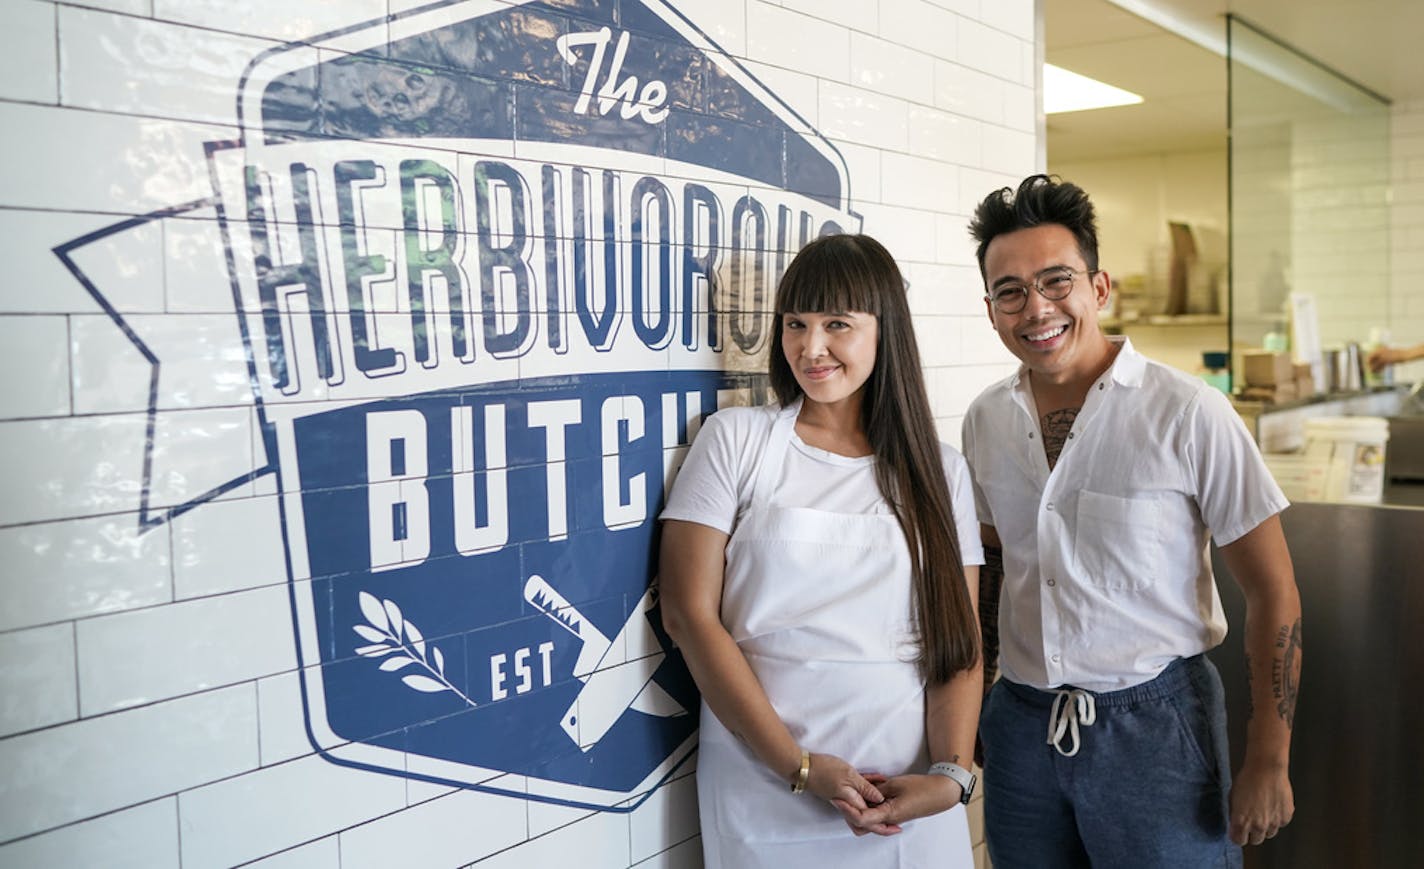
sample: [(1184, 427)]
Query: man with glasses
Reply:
[(1100, 474)]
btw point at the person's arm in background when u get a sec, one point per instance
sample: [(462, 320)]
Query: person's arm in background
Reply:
[(1261, 797), (991, 583), (951, 723), (1383, 357), (692, 564)]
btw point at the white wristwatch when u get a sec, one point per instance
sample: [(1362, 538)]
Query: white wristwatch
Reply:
[(966, 779)]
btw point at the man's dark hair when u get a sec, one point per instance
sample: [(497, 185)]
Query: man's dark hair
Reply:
[(1040, 200)]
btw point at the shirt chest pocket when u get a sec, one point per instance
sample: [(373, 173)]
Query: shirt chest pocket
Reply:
[(1118, 541)]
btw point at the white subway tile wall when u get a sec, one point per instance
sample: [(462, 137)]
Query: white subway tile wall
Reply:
[(321, 854), (114, 164), (151, 701), (81, 769), (29, 344), (28, 71), (142, 837), (37, 674), (57, 571), (270, 19), (283, 806), (149, 67), (880, 65), (1406, 300)]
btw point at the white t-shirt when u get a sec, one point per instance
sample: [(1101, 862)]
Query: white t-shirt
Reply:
[(714, 486), (1107, 577)]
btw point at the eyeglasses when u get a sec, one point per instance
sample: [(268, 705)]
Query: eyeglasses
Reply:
[(1053, 284)]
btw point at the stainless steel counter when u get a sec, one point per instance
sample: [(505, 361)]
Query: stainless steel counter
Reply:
[(1401, 494), (1357, 757)]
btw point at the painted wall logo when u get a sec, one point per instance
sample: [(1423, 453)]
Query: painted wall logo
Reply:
[(493, 264)]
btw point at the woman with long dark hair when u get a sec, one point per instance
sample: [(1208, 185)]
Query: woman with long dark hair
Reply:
[(818, 570)]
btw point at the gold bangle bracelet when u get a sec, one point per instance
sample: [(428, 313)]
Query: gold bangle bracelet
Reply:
[(803, 773)]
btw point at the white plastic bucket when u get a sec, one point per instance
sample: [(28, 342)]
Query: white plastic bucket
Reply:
[(1350, 450), (1299, 478)]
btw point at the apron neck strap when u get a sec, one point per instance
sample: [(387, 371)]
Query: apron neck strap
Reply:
[(773, 458)]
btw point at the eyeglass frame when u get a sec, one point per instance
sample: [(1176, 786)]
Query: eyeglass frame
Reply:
[(1037, 284)]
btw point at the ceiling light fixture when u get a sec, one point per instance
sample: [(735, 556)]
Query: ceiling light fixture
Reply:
[(1065, 91)]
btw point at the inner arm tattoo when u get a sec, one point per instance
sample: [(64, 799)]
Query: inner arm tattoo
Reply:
[(1250, 687), (1285, 671), (1056, 426)]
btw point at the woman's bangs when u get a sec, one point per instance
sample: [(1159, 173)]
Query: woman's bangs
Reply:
[(833, 282)]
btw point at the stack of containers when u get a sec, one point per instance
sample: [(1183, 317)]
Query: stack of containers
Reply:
[(1345, 458), (1272, 377)]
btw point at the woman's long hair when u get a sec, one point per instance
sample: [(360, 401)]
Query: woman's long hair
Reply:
[(847, 273)]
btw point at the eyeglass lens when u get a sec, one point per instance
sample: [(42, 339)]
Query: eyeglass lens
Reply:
[(1054, 284)]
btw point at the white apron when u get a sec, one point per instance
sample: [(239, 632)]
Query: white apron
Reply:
[(819, 604)]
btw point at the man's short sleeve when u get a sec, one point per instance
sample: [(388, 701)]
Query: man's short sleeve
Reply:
[(1234, 488), (967, 438)]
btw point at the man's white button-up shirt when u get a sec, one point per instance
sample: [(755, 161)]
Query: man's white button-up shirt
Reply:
[(1107, 577)]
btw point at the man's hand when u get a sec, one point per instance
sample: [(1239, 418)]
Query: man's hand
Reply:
[(1261, 803)]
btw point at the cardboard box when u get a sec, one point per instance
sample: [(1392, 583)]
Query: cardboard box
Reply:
[(1278, 394), (1264, 368)]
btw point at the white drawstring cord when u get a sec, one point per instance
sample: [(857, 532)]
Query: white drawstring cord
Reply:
[(1065, 718)]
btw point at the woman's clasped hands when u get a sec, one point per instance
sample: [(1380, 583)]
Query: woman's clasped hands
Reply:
[(882, 804)]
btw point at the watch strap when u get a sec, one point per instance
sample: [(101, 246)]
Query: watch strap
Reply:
[(964, 777)]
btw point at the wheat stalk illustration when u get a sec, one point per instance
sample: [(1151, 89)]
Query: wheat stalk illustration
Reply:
[(393, 637)]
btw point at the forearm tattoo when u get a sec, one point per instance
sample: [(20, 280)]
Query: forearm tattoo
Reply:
[(1056, 426), (991, 580), (1285, 671), (1250, 687)]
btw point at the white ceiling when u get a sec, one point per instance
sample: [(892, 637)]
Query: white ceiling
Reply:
[(1372, 42)]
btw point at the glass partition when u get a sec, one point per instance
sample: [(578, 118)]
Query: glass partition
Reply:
[(1309, 187)]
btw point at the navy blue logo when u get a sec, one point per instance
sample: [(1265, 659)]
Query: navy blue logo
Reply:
[(492, 266)]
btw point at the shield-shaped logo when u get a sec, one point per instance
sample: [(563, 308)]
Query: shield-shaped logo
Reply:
[(492, 265)]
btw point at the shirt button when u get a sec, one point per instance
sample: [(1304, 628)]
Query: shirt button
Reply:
[(1056, 659), (1070, 435), (1102, 386), (1050, 507), (1053, 582), (1030, 435)]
